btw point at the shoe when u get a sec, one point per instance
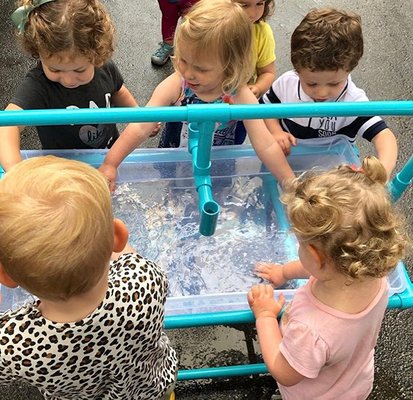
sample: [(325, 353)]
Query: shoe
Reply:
[(161, 56)]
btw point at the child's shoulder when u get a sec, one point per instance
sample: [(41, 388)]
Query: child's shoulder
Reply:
[(130, 263), (36, 72), (13, 322), (262, 29), (287, 81), (289, 75)]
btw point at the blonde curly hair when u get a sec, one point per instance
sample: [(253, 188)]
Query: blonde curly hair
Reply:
[(81, 27), (347, 213)]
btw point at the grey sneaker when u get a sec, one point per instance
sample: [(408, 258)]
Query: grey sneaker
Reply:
[(161, 56)]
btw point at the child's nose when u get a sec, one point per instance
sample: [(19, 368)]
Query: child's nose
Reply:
[(188, 73), (68, 80), (322, 92)]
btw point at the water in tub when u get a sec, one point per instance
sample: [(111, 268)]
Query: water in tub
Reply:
[(163, 221)]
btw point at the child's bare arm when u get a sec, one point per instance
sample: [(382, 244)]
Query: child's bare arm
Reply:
[(136, 133), (266, 147), (123, 98), (265, 78), (265, 309), (10, 142), (386, 148)]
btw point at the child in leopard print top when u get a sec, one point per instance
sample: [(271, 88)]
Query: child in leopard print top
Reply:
[(96, 330)]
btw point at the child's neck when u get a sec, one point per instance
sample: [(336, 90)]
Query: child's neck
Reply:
[(77, 307), (338, 292)]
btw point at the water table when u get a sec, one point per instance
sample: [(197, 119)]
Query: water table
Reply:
[(207, 215)]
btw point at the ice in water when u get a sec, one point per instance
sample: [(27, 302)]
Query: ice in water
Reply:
[(162, 218)]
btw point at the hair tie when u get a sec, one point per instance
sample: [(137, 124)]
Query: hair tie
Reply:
[(356, 168), (21, 15)]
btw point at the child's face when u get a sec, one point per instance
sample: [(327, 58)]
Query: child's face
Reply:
[(323, 85), (253, 8), (68, 70), (203, 75)]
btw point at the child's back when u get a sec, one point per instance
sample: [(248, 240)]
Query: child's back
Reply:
[(96, 331)]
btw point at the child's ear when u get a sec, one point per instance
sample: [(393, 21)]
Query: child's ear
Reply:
[(5, 278), (121, 235), (318, 255)]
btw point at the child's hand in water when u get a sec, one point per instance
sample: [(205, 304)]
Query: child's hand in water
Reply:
[(271, 272), (262, 302), (110, 173)]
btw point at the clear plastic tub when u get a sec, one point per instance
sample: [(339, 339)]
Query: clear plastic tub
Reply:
[(157, 200)]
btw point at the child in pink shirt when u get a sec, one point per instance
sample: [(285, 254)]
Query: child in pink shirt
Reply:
[(349, 240)]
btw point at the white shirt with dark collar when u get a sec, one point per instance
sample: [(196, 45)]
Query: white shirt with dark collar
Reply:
[(287, 89)]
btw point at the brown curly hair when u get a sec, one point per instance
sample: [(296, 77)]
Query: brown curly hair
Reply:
[(82, 27), (327, 40), (347, 213), (269, 7)]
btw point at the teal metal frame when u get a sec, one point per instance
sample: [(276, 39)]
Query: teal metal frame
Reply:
[(202, 115)]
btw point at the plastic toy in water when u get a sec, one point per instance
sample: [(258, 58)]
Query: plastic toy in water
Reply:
[(199, 145)]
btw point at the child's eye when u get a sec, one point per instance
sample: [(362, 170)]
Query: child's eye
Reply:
[(311, 84), (334, 84), (80, 71)]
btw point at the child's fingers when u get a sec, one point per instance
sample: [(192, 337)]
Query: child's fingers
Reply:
[(250, 298), (263, 275), (286, 142), (263, 267), (268, 291), (261, 270), (281, 300), (292, 139), (155, 130)]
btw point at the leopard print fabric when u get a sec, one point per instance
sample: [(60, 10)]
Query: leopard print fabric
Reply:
[(117, 352)]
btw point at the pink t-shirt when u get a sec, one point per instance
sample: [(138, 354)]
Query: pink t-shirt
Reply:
[(334, 350)]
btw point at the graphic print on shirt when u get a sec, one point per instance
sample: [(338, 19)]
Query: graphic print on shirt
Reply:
[(327, 126), (94, 136)]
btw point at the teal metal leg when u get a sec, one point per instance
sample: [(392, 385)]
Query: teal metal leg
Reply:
[(402, 180)]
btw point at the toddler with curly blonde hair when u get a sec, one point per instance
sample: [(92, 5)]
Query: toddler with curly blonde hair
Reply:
[(350, 238)]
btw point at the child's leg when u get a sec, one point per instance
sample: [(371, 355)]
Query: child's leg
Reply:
[(185, 5), (170, 16)]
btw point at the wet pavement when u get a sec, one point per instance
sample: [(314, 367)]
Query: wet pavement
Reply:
[(384, 73)]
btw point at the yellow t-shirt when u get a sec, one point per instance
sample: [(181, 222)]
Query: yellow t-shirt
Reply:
[(263, 46)]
